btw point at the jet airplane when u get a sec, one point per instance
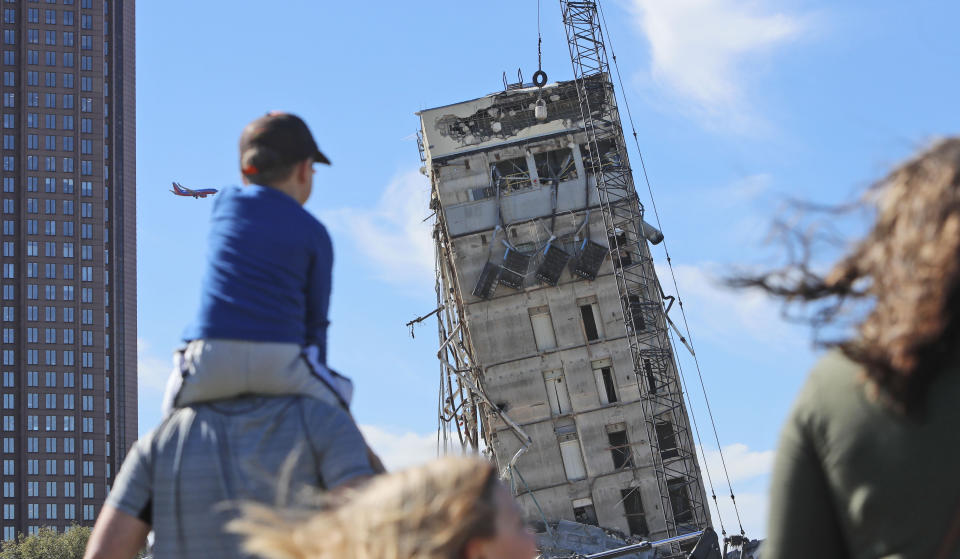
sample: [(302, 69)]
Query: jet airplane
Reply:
[(181, 190)]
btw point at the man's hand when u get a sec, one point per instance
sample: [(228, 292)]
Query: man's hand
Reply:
[(116, 535)]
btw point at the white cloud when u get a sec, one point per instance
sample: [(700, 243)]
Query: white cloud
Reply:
[(393, 234), (744, 466), (752, 506), (152, 371), (747, 188), (400, 450), (700, 49), (736, 197), (741, 463)]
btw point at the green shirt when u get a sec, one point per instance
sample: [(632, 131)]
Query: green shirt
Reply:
[(853, 478)]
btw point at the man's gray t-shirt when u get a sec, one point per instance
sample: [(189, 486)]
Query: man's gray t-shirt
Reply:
[(179, 477)]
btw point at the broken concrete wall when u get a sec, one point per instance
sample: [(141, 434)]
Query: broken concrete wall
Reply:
[(505, 117)]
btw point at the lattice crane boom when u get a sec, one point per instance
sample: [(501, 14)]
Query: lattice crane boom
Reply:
[(640, 294)]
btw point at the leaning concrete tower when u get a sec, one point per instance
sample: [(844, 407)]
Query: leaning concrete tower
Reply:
[(553, 335)]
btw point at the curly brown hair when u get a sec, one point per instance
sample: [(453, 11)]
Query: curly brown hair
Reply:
[(907, 268)]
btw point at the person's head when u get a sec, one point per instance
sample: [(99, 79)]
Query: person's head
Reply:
[(278, 150), (452, 508), (907, 269)]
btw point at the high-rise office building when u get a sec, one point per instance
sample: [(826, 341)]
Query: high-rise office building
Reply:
[(69, 258)]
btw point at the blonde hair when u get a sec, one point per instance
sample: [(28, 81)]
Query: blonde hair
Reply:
[(428, 512)]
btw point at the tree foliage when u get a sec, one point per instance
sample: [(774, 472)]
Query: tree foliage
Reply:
[(48, 544)]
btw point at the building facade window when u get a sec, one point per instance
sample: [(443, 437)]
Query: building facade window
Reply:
[(543, 328), (606, 381), (590, 318), (557, 395), (667, 440), (584, 512), (572, 456), (633, 510), (620, 450), (680, 501)]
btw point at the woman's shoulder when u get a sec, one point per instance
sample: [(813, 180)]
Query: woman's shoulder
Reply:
[(839, 405), (833, 376), (835, 391), (836, 381), (835, 370)]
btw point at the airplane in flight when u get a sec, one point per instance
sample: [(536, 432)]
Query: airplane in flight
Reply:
[(181, 190)]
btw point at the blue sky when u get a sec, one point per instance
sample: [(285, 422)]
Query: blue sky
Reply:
[(738, 105)]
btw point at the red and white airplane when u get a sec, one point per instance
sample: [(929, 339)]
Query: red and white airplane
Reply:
[(181, 190)]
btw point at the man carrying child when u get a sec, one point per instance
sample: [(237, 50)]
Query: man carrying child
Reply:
[(252, 408)]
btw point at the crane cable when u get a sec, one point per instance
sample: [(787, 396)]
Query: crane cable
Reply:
[(539, 77), (539, 41), (674, 277)]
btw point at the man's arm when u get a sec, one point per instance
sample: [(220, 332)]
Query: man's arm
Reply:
[(342, 454), (125, 518), (116, 535)]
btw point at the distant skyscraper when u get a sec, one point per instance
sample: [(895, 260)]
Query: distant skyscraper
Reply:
[(69, 301)]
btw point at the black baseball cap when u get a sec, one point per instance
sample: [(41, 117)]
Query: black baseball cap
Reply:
[(275, 140)]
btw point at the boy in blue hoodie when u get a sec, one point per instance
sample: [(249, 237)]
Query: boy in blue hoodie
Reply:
[(262, 323)]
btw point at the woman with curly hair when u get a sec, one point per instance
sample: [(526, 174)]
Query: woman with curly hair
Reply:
[(868, 461), (452, 508)]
